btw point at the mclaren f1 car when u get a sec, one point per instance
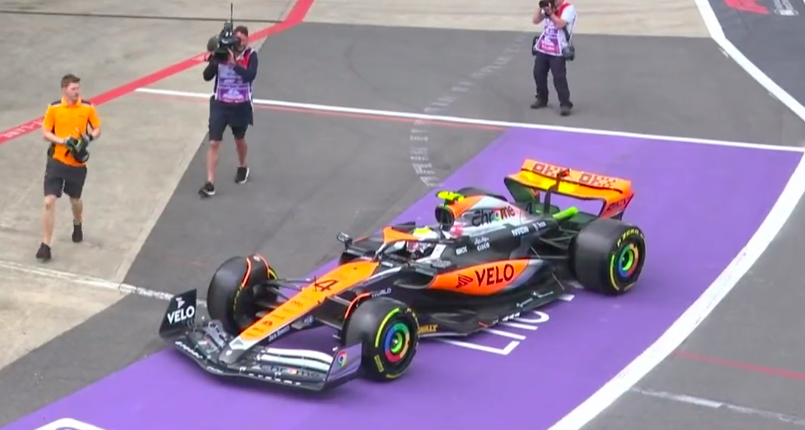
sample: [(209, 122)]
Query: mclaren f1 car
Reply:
[(486, 259)]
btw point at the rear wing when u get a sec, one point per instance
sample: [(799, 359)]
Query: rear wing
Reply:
[(535, 176)]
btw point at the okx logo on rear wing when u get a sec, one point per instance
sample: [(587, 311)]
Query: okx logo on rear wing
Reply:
[(537, 176)]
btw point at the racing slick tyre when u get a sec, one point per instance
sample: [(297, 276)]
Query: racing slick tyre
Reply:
[(607, 256), (235, 289), (389, 332), (473, 191)]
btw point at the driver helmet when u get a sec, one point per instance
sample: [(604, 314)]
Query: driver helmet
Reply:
[(422, 233)]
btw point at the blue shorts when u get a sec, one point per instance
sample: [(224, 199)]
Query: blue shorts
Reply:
[(237, 116)]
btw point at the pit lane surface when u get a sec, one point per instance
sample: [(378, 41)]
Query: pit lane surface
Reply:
[(770, 34), (317, 204)]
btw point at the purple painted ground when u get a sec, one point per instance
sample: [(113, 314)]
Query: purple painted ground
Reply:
[(682, 204)]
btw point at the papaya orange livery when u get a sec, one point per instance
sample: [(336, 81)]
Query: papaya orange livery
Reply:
[(461, 206), (484, 259), (311, 296), (483, 279), (615, 193), (392, 235)]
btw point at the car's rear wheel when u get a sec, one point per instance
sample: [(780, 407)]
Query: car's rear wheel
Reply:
[(389, 333), (235, 290), (608, 255)]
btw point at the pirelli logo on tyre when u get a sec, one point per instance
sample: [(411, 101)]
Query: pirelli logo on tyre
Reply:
[(628, 234)]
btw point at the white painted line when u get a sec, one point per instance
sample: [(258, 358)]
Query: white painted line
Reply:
[(68, 424), (717, 34), (89, 281), (726, 281), (693, 316), (566, 297), (504, 334), (520, 326), (714, 404), (481, 122), (505, 351)]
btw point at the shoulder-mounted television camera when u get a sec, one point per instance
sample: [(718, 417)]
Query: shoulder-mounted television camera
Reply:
[(226, 40)]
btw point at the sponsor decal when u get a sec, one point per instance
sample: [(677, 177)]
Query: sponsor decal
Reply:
[(488, 216), (325, 285), (183, 313), (495, 275), (481, 243), (428, 328), (463, 280), (585, 178), (383, 292), (519, 231), (274, 336), (462, 250)]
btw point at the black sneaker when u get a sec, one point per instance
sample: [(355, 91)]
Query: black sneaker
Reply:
[(565, 110), (78, 232), (207, 190), (242, 175), (539, 104), (43, 254)]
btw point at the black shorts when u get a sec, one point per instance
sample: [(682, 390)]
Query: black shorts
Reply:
[(238, 117), (60, 177)]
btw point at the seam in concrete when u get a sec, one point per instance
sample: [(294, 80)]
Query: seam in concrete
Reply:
[(420, 136)]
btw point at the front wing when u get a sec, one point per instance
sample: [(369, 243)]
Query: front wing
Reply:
[(205, 341)]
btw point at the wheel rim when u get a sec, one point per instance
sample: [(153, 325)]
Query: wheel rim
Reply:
[(625, 265), (397, 342), (627, 261)]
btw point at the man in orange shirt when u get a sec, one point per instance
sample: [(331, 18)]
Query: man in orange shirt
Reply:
[(69, 125)]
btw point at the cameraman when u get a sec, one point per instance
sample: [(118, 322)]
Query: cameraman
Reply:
[(550, 50), (69, 125), (233, 65)]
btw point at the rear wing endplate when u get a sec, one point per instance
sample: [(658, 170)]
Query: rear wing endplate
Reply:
[(615, 193)]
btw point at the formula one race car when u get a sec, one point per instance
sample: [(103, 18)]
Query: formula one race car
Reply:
[(487, 259)]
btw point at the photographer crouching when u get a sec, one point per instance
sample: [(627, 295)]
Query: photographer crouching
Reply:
[(233, 65), (552, 50)]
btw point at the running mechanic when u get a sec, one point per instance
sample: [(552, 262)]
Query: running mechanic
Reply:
[(69, 124)]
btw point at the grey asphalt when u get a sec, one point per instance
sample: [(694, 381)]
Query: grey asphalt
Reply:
[(744, 367), (293, 207), (660, 85), (748, 353), (773, 42)]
